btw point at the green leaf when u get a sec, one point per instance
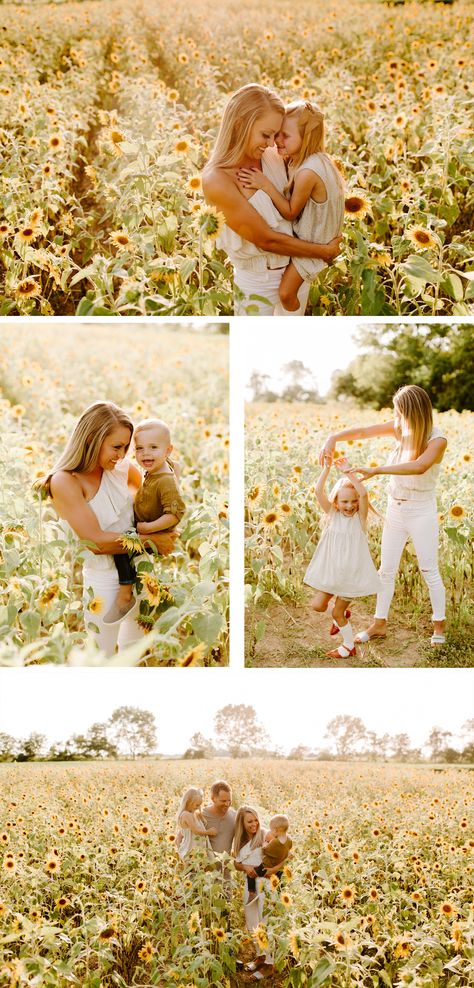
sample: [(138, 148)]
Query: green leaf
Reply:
[(418, 267), (31, 623), (452, 285), (321, 972), (208, 627)]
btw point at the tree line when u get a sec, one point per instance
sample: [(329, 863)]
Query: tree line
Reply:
[(437, 357), (238, 733)]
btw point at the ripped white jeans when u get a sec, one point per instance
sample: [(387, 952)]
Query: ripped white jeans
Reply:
[(418, 520)]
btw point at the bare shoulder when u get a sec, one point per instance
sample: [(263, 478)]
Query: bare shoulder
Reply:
[(216, 182), (63, 483)]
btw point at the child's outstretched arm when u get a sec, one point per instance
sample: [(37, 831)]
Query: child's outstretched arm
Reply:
[(305, 180), (321, 485)]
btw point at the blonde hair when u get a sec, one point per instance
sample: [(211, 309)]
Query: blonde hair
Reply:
[(414, 405), (280, 822), (346, 482), (83, 447), (188, 797), (240, 833), (242, 111), (311, 125), (153, 424)]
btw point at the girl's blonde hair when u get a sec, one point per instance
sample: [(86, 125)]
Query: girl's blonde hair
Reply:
[(240, 834), (83, 447), (414, 405), (311, 126), (188, 797), (346, 482), (243, 109)]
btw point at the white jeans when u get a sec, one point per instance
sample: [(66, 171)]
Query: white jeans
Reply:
[(105, 584), (254, 911), (265, 284), (418, 520)]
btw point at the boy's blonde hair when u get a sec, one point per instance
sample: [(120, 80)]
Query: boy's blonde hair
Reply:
[(154, 424), (242, 111), (279, 822)]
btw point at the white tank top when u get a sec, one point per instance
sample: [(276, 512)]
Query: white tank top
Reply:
[(414, 487), (113, 508)]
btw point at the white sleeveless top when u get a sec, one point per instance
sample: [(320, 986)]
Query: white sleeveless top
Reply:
[(414, 487), (320, 222), (243, 254), (113, 508)]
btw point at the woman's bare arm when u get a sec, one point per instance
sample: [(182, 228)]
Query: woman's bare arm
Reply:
[(433, 453), (221, 191), (71, 505), (357, 432)]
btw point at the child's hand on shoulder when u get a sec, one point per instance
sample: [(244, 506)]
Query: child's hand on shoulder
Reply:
[(143, 527)]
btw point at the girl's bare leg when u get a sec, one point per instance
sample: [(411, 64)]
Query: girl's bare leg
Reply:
[(339, 611), (289, 286), (320, 601)]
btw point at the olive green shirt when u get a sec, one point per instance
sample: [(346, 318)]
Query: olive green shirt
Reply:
[(159, 495), (275, 852)]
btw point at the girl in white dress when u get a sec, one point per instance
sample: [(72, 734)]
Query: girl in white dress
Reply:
[(342, 566), (313, 198), (190, 822)]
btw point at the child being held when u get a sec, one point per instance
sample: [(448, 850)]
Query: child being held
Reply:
[(274, 851), (158, 504)]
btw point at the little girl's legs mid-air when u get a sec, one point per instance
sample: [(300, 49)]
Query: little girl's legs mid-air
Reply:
[(340, 613), (320, 601), (289, 286)]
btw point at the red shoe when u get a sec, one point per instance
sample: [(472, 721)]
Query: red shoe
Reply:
[(343, 652), (335, 629)]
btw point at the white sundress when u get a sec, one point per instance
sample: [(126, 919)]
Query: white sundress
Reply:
[(342, 564)]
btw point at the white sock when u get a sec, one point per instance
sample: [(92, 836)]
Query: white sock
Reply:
[(347, 635)]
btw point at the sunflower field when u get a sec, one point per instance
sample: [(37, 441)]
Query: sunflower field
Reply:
[(377, 891), (108, 111), (283, 525), (46, 382)]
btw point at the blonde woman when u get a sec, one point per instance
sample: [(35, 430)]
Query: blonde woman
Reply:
[(92, 487), (247, 850), (190, 822), (257, 239), (412, 511)]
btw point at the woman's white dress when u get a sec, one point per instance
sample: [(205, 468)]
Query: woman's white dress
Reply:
[(342, 564), (113, 508)]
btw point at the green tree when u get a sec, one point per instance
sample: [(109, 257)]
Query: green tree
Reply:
[(345, 732), (133, 730), (238, 730)]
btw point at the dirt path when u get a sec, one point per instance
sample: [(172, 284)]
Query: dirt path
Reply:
[(296, 636)]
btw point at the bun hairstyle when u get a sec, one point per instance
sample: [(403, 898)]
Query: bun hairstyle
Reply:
[(242, 111)]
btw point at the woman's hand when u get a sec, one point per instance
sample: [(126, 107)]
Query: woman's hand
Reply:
[(366, 472), (327, 451), (164, 541), (252, 178), (343, 465), (329, 251), (212, 832), (250, 871)]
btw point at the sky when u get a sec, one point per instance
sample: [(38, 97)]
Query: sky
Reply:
[(324, 348), (294, 706)]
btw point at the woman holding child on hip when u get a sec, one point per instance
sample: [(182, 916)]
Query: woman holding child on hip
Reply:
[(92, 487), (412, 511), (247, 181)]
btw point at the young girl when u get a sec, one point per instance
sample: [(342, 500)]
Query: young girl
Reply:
[(342, 565), (190, 823), (313, 198), (411, 512)]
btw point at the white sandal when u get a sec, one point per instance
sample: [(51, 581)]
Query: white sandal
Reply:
[(437, 638)]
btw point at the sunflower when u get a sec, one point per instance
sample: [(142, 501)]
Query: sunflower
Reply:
[(286, 899), (5, 229), (55, 142), (113, 139), (270, 519), (96, 605), (456, 512), (356, 207), (342, 941), (194, 184), (261, 937), (62, 903), (347, 894), (218, 933), (193, 656), (255, 494), (210, 222), (28, 288), (120, 239), (27, 235), (403, 947), (274, 881), (146, 952), (421, 238), (9, 864), (447, 909), (194, 922), (182, 146), (151, 588), (52, 866)]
